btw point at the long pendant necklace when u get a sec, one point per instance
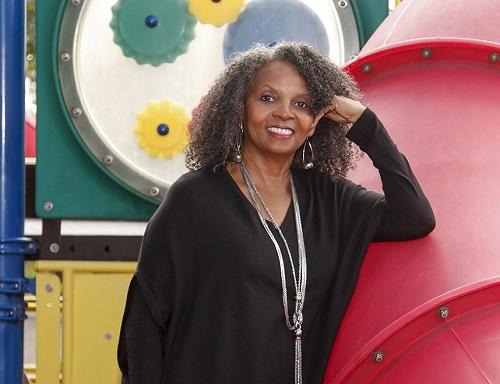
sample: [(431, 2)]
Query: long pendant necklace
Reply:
[(300, 284)]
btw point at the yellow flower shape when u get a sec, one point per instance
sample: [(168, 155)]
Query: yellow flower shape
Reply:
[(161, 128), (216, 12)]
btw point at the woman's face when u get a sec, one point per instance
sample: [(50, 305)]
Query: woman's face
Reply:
[(278, 116)]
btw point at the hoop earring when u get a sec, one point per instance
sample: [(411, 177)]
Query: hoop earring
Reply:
[(237, 156), (309, 164)]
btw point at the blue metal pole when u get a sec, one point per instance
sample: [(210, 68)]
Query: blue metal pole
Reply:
[(12, 244)]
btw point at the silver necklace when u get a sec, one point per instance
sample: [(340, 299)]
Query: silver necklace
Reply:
[(300, 284)]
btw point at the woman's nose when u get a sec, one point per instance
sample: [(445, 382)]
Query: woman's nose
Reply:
[(283, 111)]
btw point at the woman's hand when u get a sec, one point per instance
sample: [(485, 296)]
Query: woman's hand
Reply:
[(342, 110)]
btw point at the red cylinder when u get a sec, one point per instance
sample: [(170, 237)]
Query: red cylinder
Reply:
[(428, 311)]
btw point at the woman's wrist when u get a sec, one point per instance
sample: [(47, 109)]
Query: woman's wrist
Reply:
[(357, 113)]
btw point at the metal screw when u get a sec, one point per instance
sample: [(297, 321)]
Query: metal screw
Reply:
[(65, 56), (443, 312), (154, 191), (49, 287), (343, 4), (48, 206), (76, 112), (426, 53), (107, 159), (378, 356), (366, 68), (494, 57), (76, 2), (54, 247), (108, 336)]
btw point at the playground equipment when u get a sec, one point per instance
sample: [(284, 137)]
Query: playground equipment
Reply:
[(424, 311), (13, 246), (115, 86), (427, 311)]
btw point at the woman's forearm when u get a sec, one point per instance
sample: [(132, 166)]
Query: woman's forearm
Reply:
[(407, 213), (143, 340)]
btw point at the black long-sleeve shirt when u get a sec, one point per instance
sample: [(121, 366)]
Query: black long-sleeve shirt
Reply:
[(205, 303)]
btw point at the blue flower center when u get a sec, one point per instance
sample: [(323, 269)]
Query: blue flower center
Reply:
[(151, 21), (162, 129)]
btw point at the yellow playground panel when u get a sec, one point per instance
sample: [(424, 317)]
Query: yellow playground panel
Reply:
[(79, 310)]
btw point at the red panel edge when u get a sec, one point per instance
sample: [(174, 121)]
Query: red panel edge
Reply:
[(406, 52), (403, 322)]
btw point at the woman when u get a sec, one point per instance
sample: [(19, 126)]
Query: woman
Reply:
[(248, 265)]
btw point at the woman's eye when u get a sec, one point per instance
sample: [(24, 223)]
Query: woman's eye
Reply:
[(301, 104), (267, 98)]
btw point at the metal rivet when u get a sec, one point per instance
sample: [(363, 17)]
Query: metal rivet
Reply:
[(107, 159), (378, 356), (76, 2), (426, 53), (162, 129), (65, 56), (154, 191), (48, 206), (494, 57), (76, 112), (16, 285), (54, 247), (443, 312), (366, 68), (343, 4), (151, 21), (108, 336), (49, 287)]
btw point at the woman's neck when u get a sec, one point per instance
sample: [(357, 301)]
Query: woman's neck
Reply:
[(268, 171)]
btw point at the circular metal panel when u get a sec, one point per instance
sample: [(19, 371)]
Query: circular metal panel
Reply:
[(104, 91)]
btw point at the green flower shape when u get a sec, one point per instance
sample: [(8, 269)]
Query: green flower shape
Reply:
[(152, 31)]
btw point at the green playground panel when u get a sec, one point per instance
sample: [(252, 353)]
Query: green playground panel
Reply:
[(369, 15), (69, 180)]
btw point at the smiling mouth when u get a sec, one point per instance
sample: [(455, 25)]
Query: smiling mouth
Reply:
[(280, 131)]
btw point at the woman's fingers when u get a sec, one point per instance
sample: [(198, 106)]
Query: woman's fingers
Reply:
[(337, 117), (342, 110), (320, 115), (348, 109)]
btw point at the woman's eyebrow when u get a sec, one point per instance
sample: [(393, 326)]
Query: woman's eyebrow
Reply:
[(264, 86)]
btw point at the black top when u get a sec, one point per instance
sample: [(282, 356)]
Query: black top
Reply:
[(205, 306)]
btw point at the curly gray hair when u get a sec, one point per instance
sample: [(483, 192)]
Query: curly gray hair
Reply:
[(214, 129)]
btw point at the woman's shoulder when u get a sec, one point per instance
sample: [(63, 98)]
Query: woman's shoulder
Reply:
[(317, 178), (324, 184), (184, 195), (191, 179), (192, 185)]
